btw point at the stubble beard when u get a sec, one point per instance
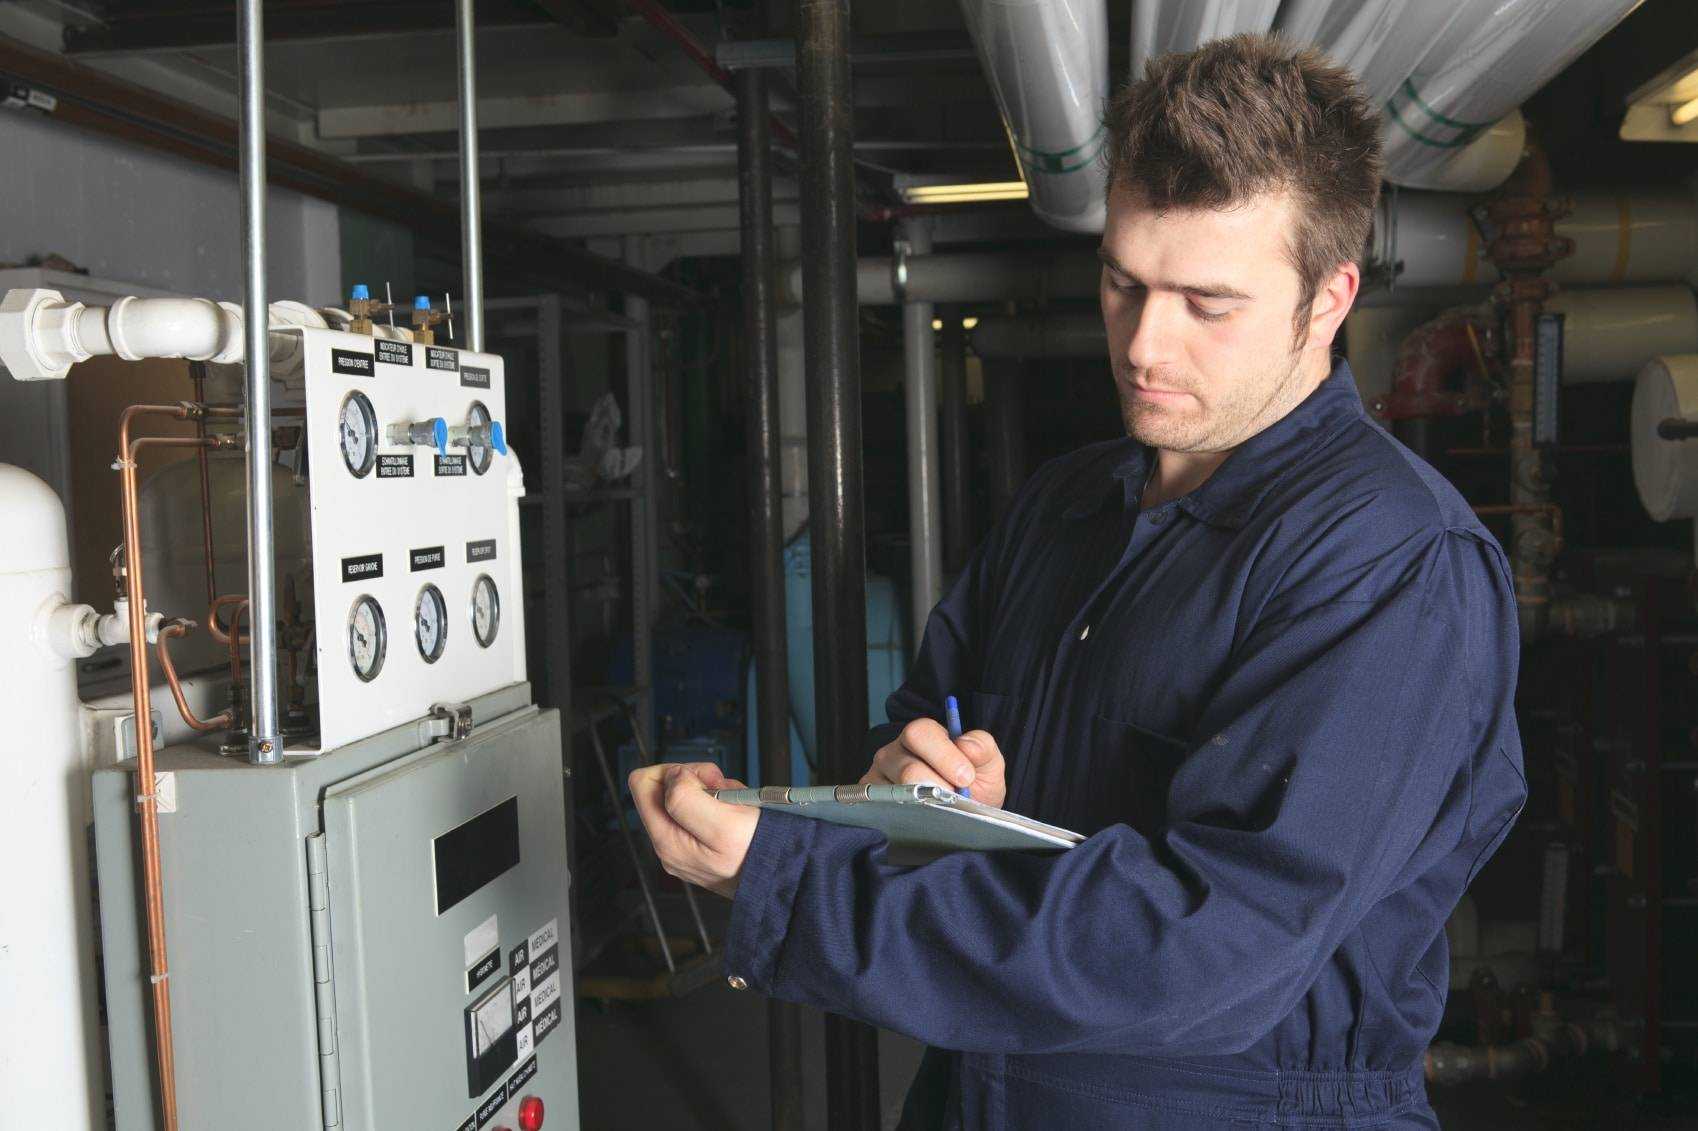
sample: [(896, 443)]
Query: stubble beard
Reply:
[(1190, 427)]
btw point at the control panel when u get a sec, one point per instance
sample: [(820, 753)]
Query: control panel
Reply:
[(414, 530)]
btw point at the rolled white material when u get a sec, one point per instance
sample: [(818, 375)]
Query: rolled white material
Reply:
[(51, 1071), (1047, 64), (1666, 471), (1610, 333)]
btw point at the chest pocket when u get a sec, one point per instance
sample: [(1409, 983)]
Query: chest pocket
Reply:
[(1126, 778)]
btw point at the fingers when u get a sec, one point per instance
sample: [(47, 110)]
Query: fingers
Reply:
[(979, 747), (927, 741)]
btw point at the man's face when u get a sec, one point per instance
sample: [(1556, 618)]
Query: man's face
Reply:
[(1198, 304)]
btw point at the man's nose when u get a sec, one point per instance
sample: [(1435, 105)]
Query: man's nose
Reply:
[(1151, 343)]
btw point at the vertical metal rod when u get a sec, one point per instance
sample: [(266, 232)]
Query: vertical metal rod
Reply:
[(618, 801), (766, 526), (641, 383), (957, 481), (830, 316), (1004, 405), (471, 204), (265, 742), (919, 351)]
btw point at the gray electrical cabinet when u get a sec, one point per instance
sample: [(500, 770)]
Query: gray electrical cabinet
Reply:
[(371, 940)]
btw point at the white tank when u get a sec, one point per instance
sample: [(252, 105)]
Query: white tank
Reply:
[(51, 1063)]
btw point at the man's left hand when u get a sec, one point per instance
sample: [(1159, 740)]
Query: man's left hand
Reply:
[(698, 839)]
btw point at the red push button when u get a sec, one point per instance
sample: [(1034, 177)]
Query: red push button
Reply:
[(530, 1114)]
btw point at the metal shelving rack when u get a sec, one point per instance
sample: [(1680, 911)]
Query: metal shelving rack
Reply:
[(550, 319)]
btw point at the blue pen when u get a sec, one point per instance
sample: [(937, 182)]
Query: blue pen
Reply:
[(952, 717)]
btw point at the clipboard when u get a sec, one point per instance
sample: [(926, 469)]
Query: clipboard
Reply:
[(921, 822)]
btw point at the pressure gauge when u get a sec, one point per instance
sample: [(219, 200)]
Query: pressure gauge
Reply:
[(430, 618), (486, 610), (368, 639), (479, 448), (358, 428)]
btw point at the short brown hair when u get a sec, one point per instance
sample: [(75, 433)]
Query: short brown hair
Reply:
[(1250, 114)]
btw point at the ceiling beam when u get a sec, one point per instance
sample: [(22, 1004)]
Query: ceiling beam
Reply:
[(96, 101)]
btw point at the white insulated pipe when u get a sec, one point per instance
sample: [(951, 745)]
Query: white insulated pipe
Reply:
[(51, 1062), (1047, 65), (919, 393)]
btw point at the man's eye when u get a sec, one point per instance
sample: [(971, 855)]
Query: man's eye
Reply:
[(1209, 315), (1127, 286)]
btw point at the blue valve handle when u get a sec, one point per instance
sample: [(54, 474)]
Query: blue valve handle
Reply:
[(439, 433), (497, 437), (361, 291)]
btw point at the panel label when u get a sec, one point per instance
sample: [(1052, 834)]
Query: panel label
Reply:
[(395, 353), (484, 551), (484, 970), (544, 994), (487, 1109), (428, 557), (351, 362), (446, 360), (522, 986), (362, 568), (450, 465), (395, 466), (474, 378), (521, 1077), (518, 959), (545, 964), (548, 934), (547, 1021)]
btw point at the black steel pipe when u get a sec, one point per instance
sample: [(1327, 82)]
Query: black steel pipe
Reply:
[(957, 484), (766, 526), (837, 521), (1005, 417)]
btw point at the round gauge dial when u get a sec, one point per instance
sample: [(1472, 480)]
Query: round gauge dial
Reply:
[(486, 610), (430, 623), (478, 451), (368, 638), (358, 434)]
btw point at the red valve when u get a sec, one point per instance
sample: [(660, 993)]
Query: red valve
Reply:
[(530, 1114)]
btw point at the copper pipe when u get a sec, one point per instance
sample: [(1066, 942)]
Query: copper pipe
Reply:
[(214, 627), (174, 629), (198, 371), (236, 640), (152, 885)]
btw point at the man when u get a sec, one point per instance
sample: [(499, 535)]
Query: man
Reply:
[(1259, 651)]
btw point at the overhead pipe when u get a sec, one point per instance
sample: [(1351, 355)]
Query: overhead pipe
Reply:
[(1047, 65), (766, 526), (471, 189), (919, 393), (831, 327)]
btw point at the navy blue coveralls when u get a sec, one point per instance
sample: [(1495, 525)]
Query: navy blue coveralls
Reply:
[(1282, 708)]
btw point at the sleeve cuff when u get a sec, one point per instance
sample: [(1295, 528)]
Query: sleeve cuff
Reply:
[(766, 894)]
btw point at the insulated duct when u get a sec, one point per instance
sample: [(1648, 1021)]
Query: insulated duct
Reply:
[(1047, 64)]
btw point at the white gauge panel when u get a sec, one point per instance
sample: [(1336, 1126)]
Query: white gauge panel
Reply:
[(410, 527)]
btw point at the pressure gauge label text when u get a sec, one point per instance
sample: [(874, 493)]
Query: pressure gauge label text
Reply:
[(351, 362), (362, 568)]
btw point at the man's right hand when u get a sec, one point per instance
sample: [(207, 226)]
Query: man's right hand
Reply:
[(924, 754)]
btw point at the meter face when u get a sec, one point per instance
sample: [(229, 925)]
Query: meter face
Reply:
[(367, 638), (358, 434), (430, 618), (486, 611), (478, 452)]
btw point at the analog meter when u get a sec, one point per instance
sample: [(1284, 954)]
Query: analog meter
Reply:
[(358, 431), (368, 639), (479, 445), (486, 610), (430, 618)]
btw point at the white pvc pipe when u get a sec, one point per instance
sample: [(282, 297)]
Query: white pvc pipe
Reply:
[(51, 1067), (1161, 26), (1047, 64), (42, 335), (1640, 236)]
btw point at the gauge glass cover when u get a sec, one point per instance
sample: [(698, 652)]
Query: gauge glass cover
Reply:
[(430, 623), (357, 431), (486, 611), (368, 639), (478, 455)]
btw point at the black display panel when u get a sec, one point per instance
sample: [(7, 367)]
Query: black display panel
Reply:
[(473, 854)]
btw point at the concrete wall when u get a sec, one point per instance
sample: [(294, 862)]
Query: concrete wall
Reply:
[(130, 214)]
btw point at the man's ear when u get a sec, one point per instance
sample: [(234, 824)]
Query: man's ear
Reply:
[(1332, 302)]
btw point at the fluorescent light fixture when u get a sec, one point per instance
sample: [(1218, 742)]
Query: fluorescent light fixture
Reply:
[(1684, 113), (965, 194)]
